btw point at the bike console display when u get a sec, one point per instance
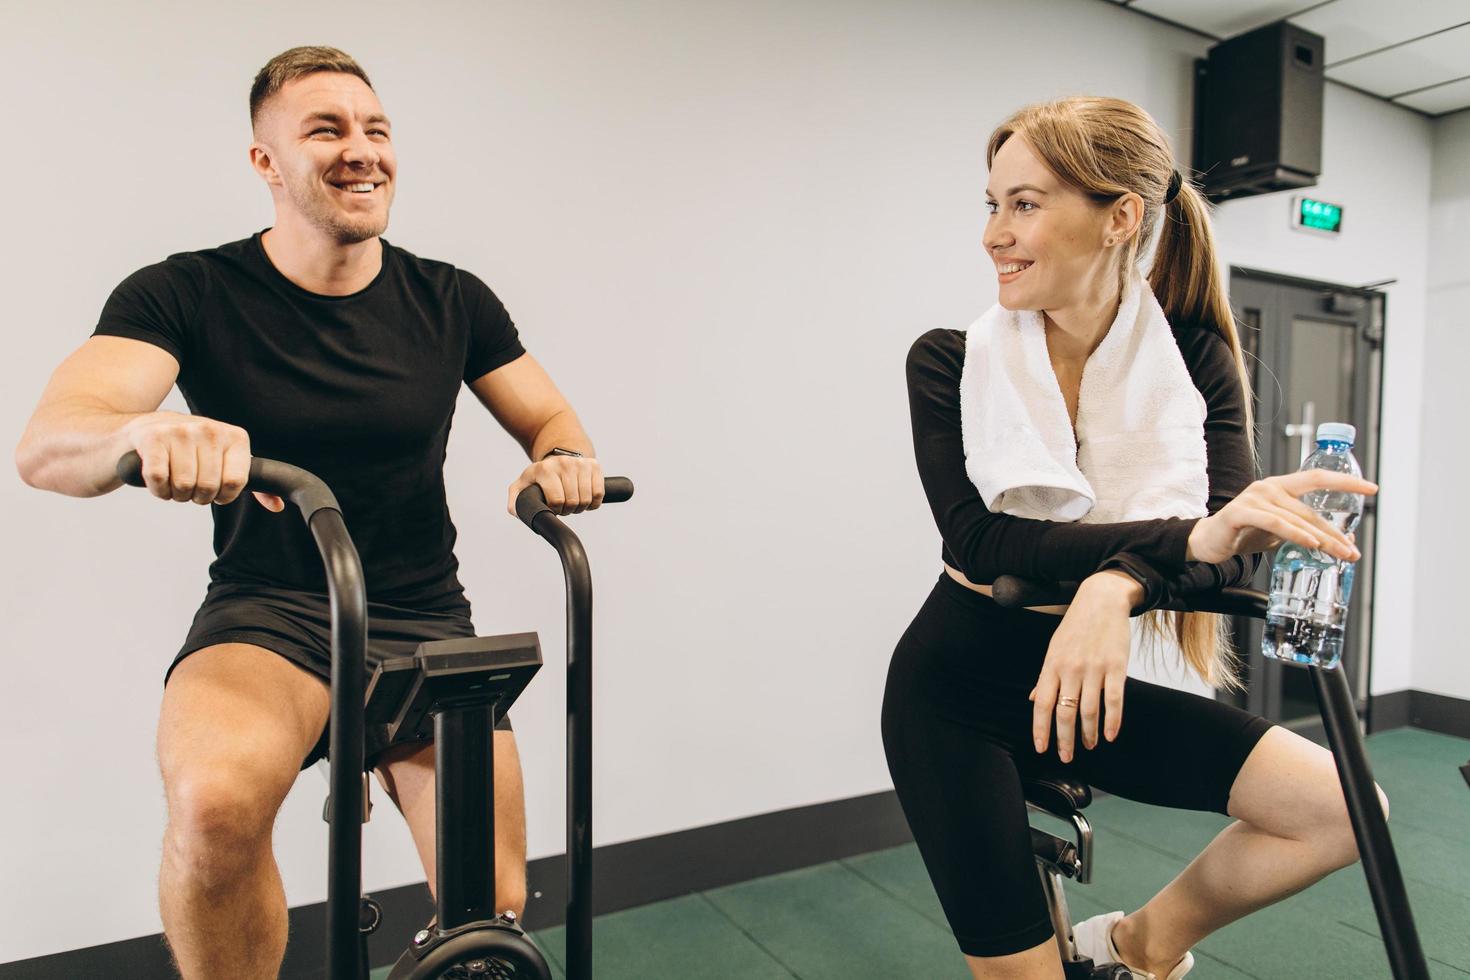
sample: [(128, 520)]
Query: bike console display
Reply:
[(405, 693)]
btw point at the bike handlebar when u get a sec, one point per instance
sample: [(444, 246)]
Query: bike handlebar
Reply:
[(1014, 591), (348, 603), (302, 488), (531, 502), (349, 638)]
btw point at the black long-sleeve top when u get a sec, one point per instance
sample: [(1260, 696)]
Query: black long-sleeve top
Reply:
[(985, 545)]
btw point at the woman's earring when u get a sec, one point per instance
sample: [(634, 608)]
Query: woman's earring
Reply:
[(1110, 242)]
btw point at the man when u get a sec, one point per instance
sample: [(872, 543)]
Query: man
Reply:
[(318, 343)]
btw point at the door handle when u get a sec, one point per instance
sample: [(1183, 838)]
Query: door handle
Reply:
[(1305, 430)]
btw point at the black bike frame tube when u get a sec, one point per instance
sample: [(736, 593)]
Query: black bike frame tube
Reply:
[(464, 807), (348, 599), (1370, 827), (579, 742)]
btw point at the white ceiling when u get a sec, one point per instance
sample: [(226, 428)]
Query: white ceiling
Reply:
[(1415, 53)]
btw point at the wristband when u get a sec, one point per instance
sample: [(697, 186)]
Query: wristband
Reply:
[(1140, 571)]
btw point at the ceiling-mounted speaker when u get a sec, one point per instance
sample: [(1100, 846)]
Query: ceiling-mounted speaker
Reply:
[(1258, 112)]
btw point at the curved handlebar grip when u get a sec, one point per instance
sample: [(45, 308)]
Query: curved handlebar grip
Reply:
[(302, 488), (616, 489), (1234, 602), (130, 469), (1014, 592), (531, 501)]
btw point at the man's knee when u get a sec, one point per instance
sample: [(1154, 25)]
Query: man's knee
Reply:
[(236, 722), (219, 821)]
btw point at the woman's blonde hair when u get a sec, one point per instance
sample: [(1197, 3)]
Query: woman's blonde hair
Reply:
[(1106, 148)]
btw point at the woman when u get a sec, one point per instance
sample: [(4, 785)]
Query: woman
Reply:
[(979, 695)]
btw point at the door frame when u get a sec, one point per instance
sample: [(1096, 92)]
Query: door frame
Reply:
[(1368, 386)]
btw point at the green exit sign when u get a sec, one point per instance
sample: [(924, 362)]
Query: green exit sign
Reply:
[(1311, 214)]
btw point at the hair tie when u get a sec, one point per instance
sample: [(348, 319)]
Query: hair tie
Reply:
[(1175, 183)]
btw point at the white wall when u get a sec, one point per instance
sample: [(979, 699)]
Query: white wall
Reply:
[(1376, 163), (720, 227), (1441, 650)]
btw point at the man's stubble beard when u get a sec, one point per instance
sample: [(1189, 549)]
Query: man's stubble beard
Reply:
[(325, 216)]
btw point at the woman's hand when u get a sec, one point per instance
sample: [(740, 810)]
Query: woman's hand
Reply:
[(1268, 512), (1086, 665), (571, 484)]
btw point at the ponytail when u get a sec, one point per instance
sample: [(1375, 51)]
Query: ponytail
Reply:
[(1186, 278)]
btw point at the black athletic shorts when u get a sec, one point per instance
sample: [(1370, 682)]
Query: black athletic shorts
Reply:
[(298, 626), (957, 733)]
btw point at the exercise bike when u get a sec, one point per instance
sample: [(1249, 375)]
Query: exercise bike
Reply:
[(455, 689), (1065, 797)]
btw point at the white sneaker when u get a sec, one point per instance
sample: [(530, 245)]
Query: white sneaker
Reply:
[(1094, 938)]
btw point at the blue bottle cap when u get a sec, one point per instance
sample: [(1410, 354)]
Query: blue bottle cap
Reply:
[(1336, 432)]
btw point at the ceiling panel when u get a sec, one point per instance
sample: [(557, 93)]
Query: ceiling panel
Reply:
[(1444, 98), (1409, 66), (1357, 32), (1222, 18), (1355, 27)]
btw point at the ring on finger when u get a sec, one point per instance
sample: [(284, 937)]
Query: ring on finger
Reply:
[(1068, 700)]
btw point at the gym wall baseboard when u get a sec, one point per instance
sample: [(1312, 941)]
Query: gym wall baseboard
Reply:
[(642, 871), (1439, 713), (1420, 709), (405, 910), (1391, 710)]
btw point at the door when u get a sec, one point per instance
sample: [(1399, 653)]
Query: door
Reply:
[(1315, 354)]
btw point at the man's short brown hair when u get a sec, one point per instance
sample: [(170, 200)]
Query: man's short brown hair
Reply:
[(290, 65)]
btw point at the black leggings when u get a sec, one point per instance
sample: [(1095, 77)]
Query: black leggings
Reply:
[(957, 732)]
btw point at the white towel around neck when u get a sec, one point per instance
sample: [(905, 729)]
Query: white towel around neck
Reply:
[(1139, 450)]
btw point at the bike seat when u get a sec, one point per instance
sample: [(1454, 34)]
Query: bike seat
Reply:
[(1061, 796)]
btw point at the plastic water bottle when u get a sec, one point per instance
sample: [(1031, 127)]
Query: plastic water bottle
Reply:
[(1309, 588)]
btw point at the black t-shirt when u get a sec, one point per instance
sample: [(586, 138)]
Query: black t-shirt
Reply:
[(358, 389), (984, 545)]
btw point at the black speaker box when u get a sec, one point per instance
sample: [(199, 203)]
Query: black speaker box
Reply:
[(1258, 112)]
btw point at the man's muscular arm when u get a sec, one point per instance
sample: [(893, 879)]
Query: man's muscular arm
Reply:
[(79, 430), (527, 404), (101, 402)]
